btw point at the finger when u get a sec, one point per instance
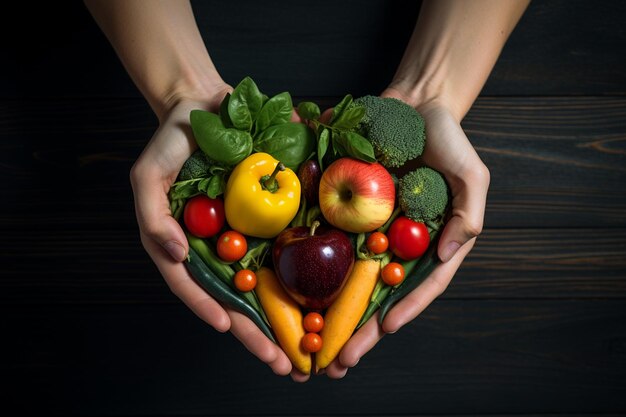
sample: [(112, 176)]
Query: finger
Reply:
[(184, 287), (468, 211), (433, 286), (153, 212), (258, 344), (298, 376), (362, 342), (336, 370), (295, 116)]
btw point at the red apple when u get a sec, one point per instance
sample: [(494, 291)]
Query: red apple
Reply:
[(356, 196)]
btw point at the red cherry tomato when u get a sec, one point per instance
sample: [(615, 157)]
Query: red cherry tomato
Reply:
[(231, 246), (408, 239), (312, 342), (392, 273), (313, 322), (245, 280), (204, 216), (377, 243)]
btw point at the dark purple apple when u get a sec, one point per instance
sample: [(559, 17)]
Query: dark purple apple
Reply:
[(313, 263), (310, 174)]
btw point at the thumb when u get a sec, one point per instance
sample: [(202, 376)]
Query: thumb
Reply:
[(154, 216)]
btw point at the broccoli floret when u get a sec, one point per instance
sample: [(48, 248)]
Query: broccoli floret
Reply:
[(395, 129), (423, 194), (196, 166)]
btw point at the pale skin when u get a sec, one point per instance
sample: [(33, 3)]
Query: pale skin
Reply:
[(451, 53)]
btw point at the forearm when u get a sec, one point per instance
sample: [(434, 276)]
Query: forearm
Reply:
[(453, 49), (161, 48)]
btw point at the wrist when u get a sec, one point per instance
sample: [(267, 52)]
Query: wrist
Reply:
[(206, 94)]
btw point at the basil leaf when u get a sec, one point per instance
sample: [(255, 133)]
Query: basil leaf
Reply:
[(349, 118), (224, 111), (182, 190), (277, 110), (214, 186), (341, 107), (356, 146), (337, 141), (309, 110), (322, 145), (227, 146), (291, 143), (244, 104)]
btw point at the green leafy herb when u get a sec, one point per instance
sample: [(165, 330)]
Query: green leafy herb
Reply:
[(291, 143), (277, 110), (227, 146), (309, 110), (244, 104)]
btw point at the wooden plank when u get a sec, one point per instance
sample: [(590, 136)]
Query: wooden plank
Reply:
[(460, 357), (555, 161), (101, 266), (560, 47)]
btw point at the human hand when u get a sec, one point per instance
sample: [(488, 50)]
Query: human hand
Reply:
[(152, 175), (448, 151)]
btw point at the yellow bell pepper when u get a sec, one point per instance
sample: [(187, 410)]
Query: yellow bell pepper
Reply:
[(261, 197)]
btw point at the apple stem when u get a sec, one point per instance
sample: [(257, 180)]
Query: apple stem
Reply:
[(314, 226), (270, 183)]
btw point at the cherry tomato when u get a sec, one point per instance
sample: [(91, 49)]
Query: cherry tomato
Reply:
[(408, 239), (245, 280), (231, 246), (313, 322), (204, 216), (377, 243), (392, 273), (312, 342)]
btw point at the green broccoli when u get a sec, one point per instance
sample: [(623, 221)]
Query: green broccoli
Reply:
[(423, 194), (196, 166), (395, 129)]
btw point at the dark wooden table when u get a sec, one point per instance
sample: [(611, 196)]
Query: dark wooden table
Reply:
[(534, 322)]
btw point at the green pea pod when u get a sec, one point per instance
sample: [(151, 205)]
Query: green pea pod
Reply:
[(222, 292), (427, 263)]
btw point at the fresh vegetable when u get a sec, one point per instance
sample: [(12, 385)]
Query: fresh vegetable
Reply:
[(395, 129), (291, 143), (262, 196), (227, 146), (343, 315), (423, 194), (196, 166), (408, 239), (392, 273), (424, 267), (245, 280), (377, 243), (222, 292), (204, 216), (313, 322), (222, 270), (231, 246), (285, 317), (312, 342)]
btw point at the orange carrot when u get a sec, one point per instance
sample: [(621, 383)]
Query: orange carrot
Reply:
[(345, 312), (285, 316)]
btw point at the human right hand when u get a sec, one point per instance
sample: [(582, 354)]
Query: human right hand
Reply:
[(151, 177)]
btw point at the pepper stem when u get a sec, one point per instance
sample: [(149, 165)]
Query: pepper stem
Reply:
[(270, 183), (314, 226)]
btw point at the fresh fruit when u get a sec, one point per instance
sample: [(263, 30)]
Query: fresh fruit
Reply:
[(312, 342), (313, 263), (231, 246), (343, 315), (313, 322), (408, 239), (285, 316), (310, 175), (204, 216), (392, 273), (356, 196), (245, 280), (377, 243)]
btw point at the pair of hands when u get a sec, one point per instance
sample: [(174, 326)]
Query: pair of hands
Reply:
[(447, 150)]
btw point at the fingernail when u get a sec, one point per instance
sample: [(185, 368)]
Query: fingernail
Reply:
[(175, 250), (449, 250)]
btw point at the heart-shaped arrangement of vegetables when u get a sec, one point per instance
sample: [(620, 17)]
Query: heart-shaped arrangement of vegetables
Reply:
[(300, 225)]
